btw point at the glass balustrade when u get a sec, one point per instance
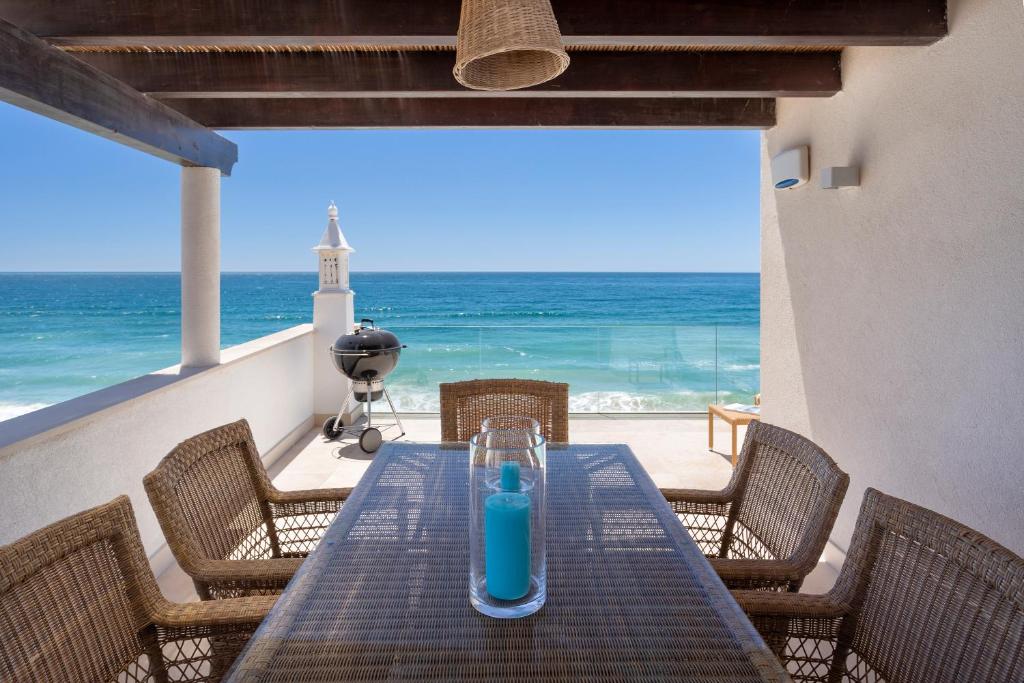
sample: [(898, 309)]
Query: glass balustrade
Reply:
[(610, 369)]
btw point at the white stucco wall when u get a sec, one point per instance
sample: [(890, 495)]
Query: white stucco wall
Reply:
[(333, 316), (76, 454), (893, 313)]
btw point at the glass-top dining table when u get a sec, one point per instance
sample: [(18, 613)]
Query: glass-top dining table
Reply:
[(385, 596)]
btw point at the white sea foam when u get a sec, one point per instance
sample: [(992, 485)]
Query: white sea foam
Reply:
[(426, 400), (627, 402), (9, 410), (610, 401), (408, 400), (740, 366)]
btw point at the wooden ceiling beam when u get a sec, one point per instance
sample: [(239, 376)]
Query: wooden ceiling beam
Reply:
[(41, 78), (429, 74), (509, 112), (417, 22)]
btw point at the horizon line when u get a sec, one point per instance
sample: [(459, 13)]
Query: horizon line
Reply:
[(391, 272)]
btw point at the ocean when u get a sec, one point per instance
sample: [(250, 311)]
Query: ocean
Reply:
[(625, 342)]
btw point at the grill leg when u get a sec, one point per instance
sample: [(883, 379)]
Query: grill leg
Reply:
[(369, 408), (394, 412)]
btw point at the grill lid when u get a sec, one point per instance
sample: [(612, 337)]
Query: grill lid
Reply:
[(368, 338)]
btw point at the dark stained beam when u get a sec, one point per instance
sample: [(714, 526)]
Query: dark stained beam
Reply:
[(429, 74), (43, 79), (417, 22), (509, 112)]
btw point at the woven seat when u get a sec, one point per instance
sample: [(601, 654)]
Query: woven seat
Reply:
[(79, 602), (768, 527), (465, 405), (228, 527), (920, 598)]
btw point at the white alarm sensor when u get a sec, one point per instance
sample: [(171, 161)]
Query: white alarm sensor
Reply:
[(790, 168)]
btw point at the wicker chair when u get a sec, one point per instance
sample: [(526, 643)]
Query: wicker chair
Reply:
[(78, 602), (465, 405), (767, 529), (228, 527), (920, 598)]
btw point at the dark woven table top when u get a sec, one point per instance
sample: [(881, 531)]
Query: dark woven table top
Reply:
[(385, 597)]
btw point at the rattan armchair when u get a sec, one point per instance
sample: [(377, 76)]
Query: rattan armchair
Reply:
[(920, 598), (465, 405), (767, 529), (79, 602), (228, 527)]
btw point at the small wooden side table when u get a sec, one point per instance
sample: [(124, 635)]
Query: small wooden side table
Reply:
[(734, 419)]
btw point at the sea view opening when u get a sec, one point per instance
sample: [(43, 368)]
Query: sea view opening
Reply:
[(558, 303)]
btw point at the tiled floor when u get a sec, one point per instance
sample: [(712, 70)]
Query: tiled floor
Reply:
[(673, 449)]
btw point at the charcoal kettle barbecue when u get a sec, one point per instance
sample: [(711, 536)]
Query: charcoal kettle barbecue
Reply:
[(366, 357)]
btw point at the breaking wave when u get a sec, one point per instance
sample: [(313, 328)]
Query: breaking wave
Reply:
[(10, 410)]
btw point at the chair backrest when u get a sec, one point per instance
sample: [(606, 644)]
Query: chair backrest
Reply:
[(933, 600), (75, 600), (465, 405), (790, 491), (209, 495)]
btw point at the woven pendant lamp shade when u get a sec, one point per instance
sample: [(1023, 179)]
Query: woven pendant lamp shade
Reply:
[(508, 44)]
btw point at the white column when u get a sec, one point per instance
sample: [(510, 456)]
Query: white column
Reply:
[(200, 266)]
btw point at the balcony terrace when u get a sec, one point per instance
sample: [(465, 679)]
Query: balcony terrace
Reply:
[(892, 337)]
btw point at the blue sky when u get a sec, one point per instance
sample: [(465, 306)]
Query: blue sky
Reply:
[(409, 200)]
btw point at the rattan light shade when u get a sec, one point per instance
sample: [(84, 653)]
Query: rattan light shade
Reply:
[(508, 44)]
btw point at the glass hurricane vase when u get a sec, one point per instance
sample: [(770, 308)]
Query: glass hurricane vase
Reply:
[(508, 569)]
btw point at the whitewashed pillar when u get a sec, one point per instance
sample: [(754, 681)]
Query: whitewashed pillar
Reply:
[(200, 266), (333, 316)]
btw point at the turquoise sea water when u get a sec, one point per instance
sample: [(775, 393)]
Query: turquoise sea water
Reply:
[(624, 341)]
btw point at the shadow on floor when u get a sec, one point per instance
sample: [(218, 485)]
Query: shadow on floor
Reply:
[(725, 456), (348, 444)]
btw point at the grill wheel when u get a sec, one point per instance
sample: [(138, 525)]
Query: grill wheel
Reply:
[(370, 440), (331, 429)]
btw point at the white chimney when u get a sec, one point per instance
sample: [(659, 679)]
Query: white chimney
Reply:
[(333, 252)]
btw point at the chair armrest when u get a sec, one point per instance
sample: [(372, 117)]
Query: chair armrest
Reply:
[(213, 614), (276, 571), (301, 518), (200, 641), (790, 605), (741, 573), (794, 624), (308, 502), (314, 496), (324, 502), (697, 497), (705, 515)]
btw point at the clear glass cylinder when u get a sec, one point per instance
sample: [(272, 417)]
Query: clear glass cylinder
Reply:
[(519, 422), (508, 567)]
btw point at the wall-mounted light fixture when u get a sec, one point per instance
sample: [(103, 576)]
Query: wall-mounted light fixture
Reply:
[(834, 177)]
